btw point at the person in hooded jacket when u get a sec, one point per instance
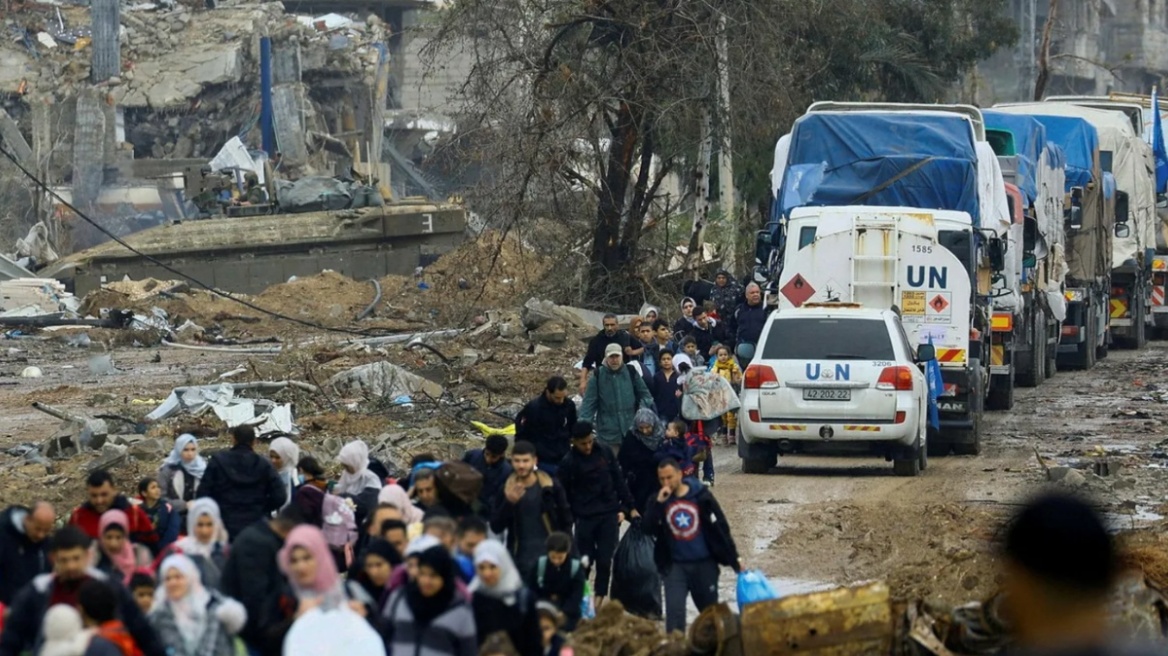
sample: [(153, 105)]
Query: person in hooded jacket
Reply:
[(113, 553), (24, 546), (638, 457), (357, 482), (182, 472), (251, 575), (726, 295), (205, 542), (428, 617), (243, 483), (190, 619), (284, 454), (501, 601)]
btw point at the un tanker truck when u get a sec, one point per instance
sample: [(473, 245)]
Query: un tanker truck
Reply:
[(910, 220), (1028, 337), (1089, 220), (1127, 157)]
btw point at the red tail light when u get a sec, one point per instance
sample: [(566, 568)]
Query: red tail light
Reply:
[(899, 379), (759, 376), (754, 416), (900, 416)]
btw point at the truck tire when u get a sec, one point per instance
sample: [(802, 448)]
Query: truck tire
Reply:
[(1001, 396), (970, 444), (1030, 374), (934, 446)]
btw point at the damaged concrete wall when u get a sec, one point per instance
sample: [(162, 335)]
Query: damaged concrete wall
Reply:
[(88, 148), (427, 86), (105, 17)]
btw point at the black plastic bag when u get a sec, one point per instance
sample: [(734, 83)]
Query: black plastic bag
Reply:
[(635, 581)]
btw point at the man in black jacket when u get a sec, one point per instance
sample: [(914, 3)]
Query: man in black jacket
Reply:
[(706, 331), (244, 484), (252, 576), (693, 539), (491, 462), (749, 320), (595, 355), (531, 507), (546, 421), (69, 549), (24, 554), (599, 497)]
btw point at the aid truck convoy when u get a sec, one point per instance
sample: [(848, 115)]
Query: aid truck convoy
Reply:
[(1138, 109), (1033, 168), (921, 229), (1089, 210)]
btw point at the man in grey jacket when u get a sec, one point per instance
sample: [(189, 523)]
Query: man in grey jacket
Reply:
[(612, 397)]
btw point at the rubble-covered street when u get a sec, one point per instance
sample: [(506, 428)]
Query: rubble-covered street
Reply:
[(812, 523)]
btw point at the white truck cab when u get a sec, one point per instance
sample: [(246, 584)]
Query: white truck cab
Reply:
[(836, 377)]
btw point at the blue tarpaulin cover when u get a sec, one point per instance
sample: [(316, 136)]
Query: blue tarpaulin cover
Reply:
[(1078, 141), (859, 152), (1030, 139)]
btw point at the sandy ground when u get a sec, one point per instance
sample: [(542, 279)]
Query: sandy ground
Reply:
[(812, 522)]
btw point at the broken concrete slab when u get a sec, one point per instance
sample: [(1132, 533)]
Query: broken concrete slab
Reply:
[(1067, 477), (549, 333), (178, 77), (380, 380), (148, 449)]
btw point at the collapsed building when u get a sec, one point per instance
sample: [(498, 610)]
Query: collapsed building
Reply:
[(121, 105)]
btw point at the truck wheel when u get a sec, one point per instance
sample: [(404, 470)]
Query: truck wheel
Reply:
[(934, 446), (970, 440), (1030, 374), (1001, 396)]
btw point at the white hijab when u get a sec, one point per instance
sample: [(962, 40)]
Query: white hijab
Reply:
[(190, 612), (509, 585), (355, 455), (290, 455), (190, 544)]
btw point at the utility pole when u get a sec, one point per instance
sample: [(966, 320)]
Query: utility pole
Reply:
[(726, 193)]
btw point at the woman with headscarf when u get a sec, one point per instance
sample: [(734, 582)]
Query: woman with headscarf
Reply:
[(501, 601), (369, 577), (412, 515), (190, 619), (284, 455), (404, 574), (637, 456), (64, 634), (357, 482), (427, 617), (206, 541), (182, 471), (113, 553), (685, 322), (309, 496)]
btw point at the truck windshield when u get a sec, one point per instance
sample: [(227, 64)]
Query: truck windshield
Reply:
[(828, 339)]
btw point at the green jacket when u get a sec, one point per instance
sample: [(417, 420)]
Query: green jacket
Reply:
[(610, 401)]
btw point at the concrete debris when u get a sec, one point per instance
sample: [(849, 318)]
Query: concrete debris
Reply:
[(1067, 477), (31, 372), (537, 312), (36, 297), (268, 417), (102, 365), (75, 434), (382, 380)]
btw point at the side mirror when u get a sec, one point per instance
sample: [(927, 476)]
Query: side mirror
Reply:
[(926, 352), (1075, 218), (1029, 260), (996, 250), (1122, 230)]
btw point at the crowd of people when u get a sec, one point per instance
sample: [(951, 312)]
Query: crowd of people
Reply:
[(249, 550), (503, 552)]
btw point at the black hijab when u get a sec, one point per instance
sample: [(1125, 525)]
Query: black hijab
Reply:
[(376, 547), (426, 609)]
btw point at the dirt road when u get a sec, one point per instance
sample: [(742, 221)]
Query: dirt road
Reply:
[(816, 521)]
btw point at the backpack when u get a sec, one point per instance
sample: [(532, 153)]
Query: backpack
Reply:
[(340, 521), (699, 441), (461, 480), (541, 570)]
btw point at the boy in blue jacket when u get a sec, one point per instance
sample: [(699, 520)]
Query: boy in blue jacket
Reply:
[(676, 447)]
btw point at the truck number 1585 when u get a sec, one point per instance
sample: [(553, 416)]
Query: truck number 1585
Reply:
[(922, 248)]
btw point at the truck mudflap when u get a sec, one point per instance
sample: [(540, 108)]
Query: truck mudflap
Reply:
[(956, 405)]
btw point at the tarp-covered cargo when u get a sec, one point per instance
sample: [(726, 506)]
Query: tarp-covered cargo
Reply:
[(911, 159), (1029, 140)]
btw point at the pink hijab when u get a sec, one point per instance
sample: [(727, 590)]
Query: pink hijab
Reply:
[(311, 539), (125, 560), (395, 496)]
